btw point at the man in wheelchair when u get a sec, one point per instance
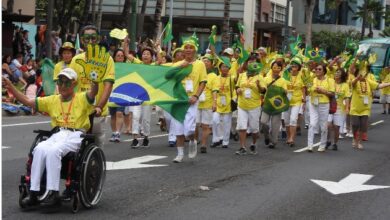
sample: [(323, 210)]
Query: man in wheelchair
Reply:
[(70, 112)]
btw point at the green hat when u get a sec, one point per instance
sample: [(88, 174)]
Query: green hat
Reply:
[(177, 50), (208, 56), (296, 60), (254, 67), (192, 40), (226, 61)]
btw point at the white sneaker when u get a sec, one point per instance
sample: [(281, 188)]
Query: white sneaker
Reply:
[(321, 149), (310, 149), (192, 149), (341, 136), (349, 134), (178, 159)]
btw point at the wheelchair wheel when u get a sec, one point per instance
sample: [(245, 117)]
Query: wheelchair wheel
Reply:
[(92, 176)]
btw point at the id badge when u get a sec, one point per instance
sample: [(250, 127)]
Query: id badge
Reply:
[(316, 101), (247, 93), (289, 95), (223, 100), (202, 97), (336, 96), (365, 100), (189, 86)]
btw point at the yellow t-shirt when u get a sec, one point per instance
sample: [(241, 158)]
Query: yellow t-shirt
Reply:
[(362, 97), (83, 82), (198, 75), (57, 69), (385, 78), (281, 82), (294, 90), (342, 92), (330, 73), (234, 68), (250, 97), (206, 98), (225, 93), (327, 84), (71, 114)]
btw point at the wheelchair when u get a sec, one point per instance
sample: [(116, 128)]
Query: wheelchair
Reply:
[(84, 173)]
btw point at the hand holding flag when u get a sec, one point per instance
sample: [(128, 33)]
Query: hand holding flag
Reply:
[(213, 35)]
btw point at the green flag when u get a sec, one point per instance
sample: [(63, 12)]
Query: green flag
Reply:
[(244, 55), (137, 84), (294, 47), (77, 43), (312, 54), (240, 27), (275, 100), (213, 35), (168, 33), (351, 44), (48, 84)]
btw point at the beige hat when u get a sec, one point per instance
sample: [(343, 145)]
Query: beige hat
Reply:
[(229, 51), (68, 73)]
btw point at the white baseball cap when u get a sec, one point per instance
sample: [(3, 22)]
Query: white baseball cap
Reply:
[(261, 49), (68, 73), (229, 51)]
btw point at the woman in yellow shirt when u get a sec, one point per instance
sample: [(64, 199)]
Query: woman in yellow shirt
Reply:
[(207, 103), (222, 117), (385, 93), (249, 101), (342, 95), (67, 52), (320, 91), (296, 93)]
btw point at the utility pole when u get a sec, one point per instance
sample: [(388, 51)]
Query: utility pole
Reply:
[(50, 9), (170, 19), (133, 24), (286, 29)]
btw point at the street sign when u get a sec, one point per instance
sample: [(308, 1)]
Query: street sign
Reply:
[(354, 182), (135, 163)]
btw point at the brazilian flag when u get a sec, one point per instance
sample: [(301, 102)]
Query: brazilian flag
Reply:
[(139, 84), (275, 100)]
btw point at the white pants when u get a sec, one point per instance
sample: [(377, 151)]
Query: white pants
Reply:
[(307, 112), (99, 130), (168, 120), (291, 116), (224, 120), (141, 119), (318, 116), (48, 154), (186, 128), (338, 119), (248, 120), (275, 121)]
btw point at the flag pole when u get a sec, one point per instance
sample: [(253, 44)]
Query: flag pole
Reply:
[(170, 19)]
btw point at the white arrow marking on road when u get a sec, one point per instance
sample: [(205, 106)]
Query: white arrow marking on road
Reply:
[(354, 182), (135, 163)]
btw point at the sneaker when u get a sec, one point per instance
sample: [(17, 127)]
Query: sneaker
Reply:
[(214, 145), (52, 201), (354, 143), (309, 149), (192, 149), (321, 149), (266, 141), (145, 142), (384, 113), (271, 146), (117, 137), (203, 150), (241, 151), (306, 126), (334, 147), (252, 149), (66, 195), (31, 200), (349, 134), (341, 136), (328, 143), (224, 146), (364, 136), (178, 159), (112, 138), (360, 146), (135, 143), (284, 135), (172, 143)]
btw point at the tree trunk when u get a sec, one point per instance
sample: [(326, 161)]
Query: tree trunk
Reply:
[(125, 14), (225, 27), (10, 6), (93, 12), (364, 19), (157, 18), (140, 20), (99, 15), (84, 18), (309, 8), (143, 8)]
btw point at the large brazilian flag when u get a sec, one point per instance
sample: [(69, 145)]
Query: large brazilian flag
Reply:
[(138, 84), (275, 100)]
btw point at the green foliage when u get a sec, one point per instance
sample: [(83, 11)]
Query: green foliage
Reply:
[(385, 32), (374, 8), (333, 42)]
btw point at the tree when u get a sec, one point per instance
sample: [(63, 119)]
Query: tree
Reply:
[(341, 6), (309, 8), (125, 14), (84, 18), (157, 18), (369, 13), (225, 27), (99, 15), (333, 42), (385, 32)]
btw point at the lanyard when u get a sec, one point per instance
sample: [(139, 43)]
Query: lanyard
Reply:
[(66, 116), (222, 87), (363, 87), (249, 80)]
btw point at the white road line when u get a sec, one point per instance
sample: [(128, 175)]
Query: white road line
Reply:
[(30, 123), (5, 147), (150, 137), (306, 148), (378, 122)]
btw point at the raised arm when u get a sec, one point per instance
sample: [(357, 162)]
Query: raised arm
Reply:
[(18, 95)]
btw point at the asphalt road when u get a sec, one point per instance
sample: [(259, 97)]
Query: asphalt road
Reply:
[(274, 184)]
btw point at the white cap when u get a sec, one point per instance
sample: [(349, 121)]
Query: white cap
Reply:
[(69, 73), (261, 49), (229, 51)]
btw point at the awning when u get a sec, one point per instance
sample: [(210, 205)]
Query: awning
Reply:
[(267, 26), (16, 18)]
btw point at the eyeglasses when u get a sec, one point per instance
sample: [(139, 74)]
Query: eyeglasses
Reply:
[(319, 69), (89, 37), (66, 83)]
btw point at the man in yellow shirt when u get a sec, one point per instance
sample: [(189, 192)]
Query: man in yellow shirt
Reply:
[(385, 93), (193, 84), (69, 111), (89, 35)]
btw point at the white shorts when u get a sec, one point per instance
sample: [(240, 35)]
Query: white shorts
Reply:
[(291, 116), (338, 118), (186, 128), (248, 120), (301, 109), (384, 99), (204, 116)]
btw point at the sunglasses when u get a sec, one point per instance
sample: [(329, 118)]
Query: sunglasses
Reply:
[(66, 83), (90, 37), (319, 69)]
